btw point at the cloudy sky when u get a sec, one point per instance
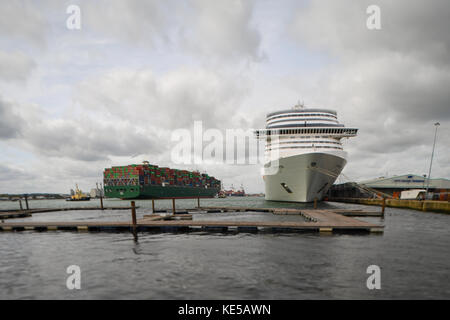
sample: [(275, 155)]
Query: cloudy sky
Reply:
[(74, 101)]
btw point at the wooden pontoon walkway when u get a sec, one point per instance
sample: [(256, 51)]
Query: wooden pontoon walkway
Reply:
[(10, 214), (14, 214), (288, 211), (314, 220)]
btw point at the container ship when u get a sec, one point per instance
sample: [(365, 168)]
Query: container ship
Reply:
[(147, 181), (304, 153)]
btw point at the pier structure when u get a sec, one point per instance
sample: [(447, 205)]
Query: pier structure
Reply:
[(182, 220), (11, 214)]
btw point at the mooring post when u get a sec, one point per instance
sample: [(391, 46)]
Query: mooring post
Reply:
[(383, 207), (173, 205), (315, 203), (101, 192), (153, 205), (198, 202), (26, 201), (20, 203), (133, 217)]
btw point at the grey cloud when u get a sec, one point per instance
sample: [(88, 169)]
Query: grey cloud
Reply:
[(222, 28), (416, 28), (418, 96), (401, 88), (22, 20), (171, 101), (9, 173), (81, 138), (218, 29), (136, 22), (210, 28), (11, 123), (401, 138), (15, 66), (86, 141)]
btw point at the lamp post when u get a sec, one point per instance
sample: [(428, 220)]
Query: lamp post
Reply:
[(436, 125)]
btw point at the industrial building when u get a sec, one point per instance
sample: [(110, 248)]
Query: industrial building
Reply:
[(393, 186)]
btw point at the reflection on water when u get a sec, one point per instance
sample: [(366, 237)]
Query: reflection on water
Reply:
[(412, 253)]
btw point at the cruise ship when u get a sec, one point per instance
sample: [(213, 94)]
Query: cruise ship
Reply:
[(303, 153)]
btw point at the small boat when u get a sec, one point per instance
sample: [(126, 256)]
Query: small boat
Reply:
[(79, 196), (233, 193)]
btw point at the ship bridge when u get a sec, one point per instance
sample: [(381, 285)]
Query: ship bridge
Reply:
[(297, 117)]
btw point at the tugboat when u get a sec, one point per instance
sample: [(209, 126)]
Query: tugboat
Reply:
[(79, 196)]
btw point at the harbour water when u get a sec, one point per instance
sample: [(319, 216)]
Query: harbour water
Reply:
[(412, 253)]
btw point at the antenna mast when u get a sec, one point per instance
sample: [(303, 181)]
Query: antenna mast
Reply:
[(299, 105)]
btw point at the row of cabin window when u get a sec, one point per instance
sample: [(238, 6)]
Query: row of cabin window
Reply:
[(306, 137), (301, 131), (305, 147), (293, 142), (286, 137)]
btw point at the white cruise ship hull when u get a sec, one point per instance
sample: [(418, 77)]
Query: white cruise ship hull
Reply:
[(295, 181)]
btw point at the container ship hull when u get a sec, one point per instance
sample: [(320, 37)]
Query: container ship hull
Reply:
[(159, 192), (148, 181)]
